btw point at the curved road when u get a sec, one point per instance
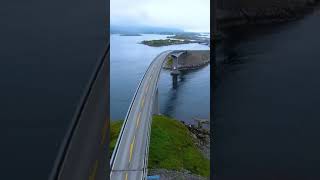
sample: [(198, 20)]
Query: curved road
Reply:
[(82, 154), (129, 160)]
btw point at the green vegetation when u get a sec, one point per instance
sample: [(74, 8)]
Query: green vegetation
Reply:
[(169, 61), (131, 34), (115, 127), (171, 146), (184, 36), (164, 42)]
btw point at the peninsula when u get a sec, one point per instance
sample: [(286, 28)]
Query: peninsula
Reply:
[(164, 42)]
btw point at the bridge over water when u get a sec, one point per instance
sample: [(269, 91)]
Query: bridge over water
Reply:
[(84, 151), (130, 156)]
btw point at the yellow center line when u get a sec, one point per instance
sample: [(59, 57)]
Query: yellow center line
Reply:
[(142, 103), (126, 176), (131, 148), (104, 132), (93, 174), (138, 120)]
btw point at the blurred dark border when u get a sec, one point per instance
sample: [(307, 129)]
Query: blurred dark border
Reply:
[(48, 51), (213, 31)]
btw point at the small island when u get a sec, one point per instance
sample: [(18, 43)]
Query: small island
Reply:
[(186, 36), (131, 34), (178, 38), (164, 42)]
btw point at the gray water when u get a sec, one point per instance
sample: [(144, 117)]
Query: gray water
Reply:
[(267, 102), (129, 61)]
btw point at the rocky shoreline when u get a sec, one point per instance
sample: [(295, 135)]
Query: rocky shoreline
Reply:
[(175, 175), (192, 60), (164, 42), (202, 137), (191, 66)]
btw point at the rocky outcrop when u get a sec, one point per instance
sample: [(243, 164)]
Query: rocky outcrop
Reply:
[(191, 60), (202, 137), (166, 174)]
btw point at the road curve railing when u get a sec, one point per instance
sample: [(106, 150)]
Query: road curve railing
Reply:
[(115, 150), (145, 165), (133, 101)]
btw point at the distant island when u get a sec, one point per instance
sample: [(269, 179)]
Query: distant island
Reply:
[(178, 38), (164, 42), (130, 34), (187, 36), (124, 29), (174, 36)]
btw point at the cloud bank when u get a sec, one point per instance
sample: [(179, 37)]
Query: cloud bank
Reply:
[(189, 15)]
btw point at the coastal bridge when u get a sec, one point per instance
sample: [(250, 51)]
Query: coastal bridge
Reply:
[(175, 63), (130, 156)]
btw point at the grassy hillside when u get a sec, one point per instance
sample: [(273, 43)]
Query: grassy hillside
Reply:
[(171, 146), (114, 133)]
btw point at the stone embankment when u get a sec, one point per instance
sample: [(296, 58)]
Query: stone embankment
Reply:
[(190, 60), (166, 174), (202, 136)]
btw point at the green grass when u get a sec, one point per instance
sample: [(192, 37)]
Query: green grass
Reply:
[(169, 61), (186, 36), (171, 147), (164, 42), (115, 127)]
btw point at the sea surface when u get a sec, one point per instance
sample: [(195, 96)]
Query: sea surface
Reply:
[(129, 61), (267, 102)]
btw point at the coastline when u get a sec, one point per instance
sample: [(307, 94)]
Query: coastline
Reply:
[(192, 60), (193, 161)]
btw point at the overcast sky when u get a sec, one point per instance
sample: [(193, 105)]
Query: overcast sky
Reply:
[(189, 15)]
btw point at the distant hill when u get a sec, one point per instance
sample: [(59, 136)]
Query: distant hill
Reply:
[(142, 29)]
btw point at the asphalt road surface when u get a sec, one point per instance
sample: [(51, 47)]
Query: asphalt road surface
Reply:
[(85, 155), (132, 153)]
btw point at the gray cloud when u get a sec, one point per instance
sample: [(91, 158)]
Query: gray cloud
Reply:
[(190, 15)]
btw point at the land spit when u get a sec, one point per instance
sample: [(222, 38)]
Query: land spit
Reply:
[(190, 60)]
